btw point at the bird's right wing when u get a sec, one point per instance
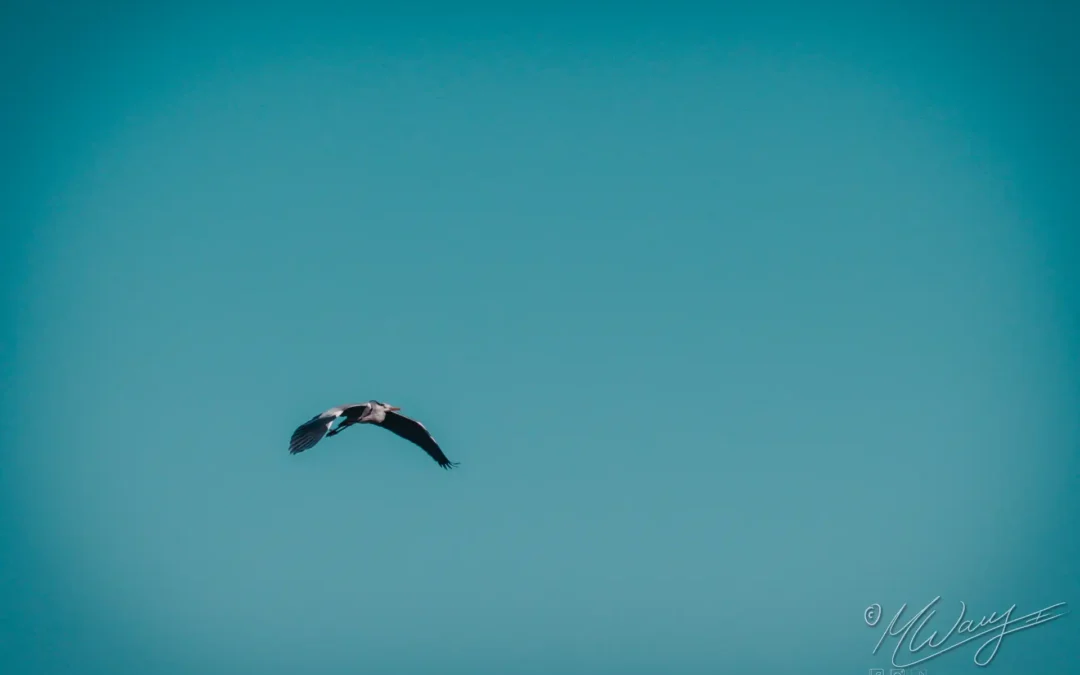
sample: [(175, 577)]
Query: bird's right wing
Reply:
[(309, 433), (411, 430)]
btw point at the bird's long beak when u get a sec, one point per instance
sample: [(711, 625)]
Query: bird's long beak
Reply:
[(394, 408)]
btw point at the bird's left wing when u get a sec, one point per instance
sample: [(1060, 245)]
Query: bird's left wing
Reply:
[(309, 433), (411, 430)]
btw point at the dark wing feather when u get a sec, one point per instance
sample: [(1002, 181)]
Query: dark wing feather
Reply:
[(354, 411), (413, 431), (309, 433)]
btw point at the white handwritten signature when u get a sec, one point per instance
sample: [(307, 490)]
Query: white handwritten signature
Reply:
[(999, 625)]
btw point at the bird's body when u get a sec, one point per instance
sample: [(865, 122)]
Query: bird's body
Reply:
[(373, 412)]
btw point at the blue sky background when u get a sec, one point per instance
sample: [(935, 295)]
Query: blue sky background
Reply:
[(737, 323)]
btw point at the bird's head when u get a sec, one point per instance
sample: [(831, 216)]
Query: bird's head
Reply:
[(390, 408)]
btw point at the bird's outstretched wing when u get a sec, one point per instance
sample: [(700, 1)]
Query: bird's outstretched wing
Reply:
[(413, 431), (309, 433)]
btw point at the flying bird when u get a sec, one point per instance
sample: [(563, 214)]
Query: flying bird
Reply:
[(373, 412)]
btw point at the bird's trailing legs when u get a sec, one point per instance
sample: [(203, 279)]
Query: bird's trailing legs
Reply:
[(341, 427)]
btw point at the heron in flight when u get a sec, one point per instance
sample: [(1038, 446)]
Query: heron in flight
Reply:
[(373, 412)]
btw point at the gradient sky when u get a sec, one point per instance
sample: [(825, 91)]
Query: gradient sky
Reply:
[(737, 323)]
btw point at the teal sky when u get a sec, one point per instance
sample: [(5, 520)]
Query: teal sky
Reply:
[(737, 323)]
